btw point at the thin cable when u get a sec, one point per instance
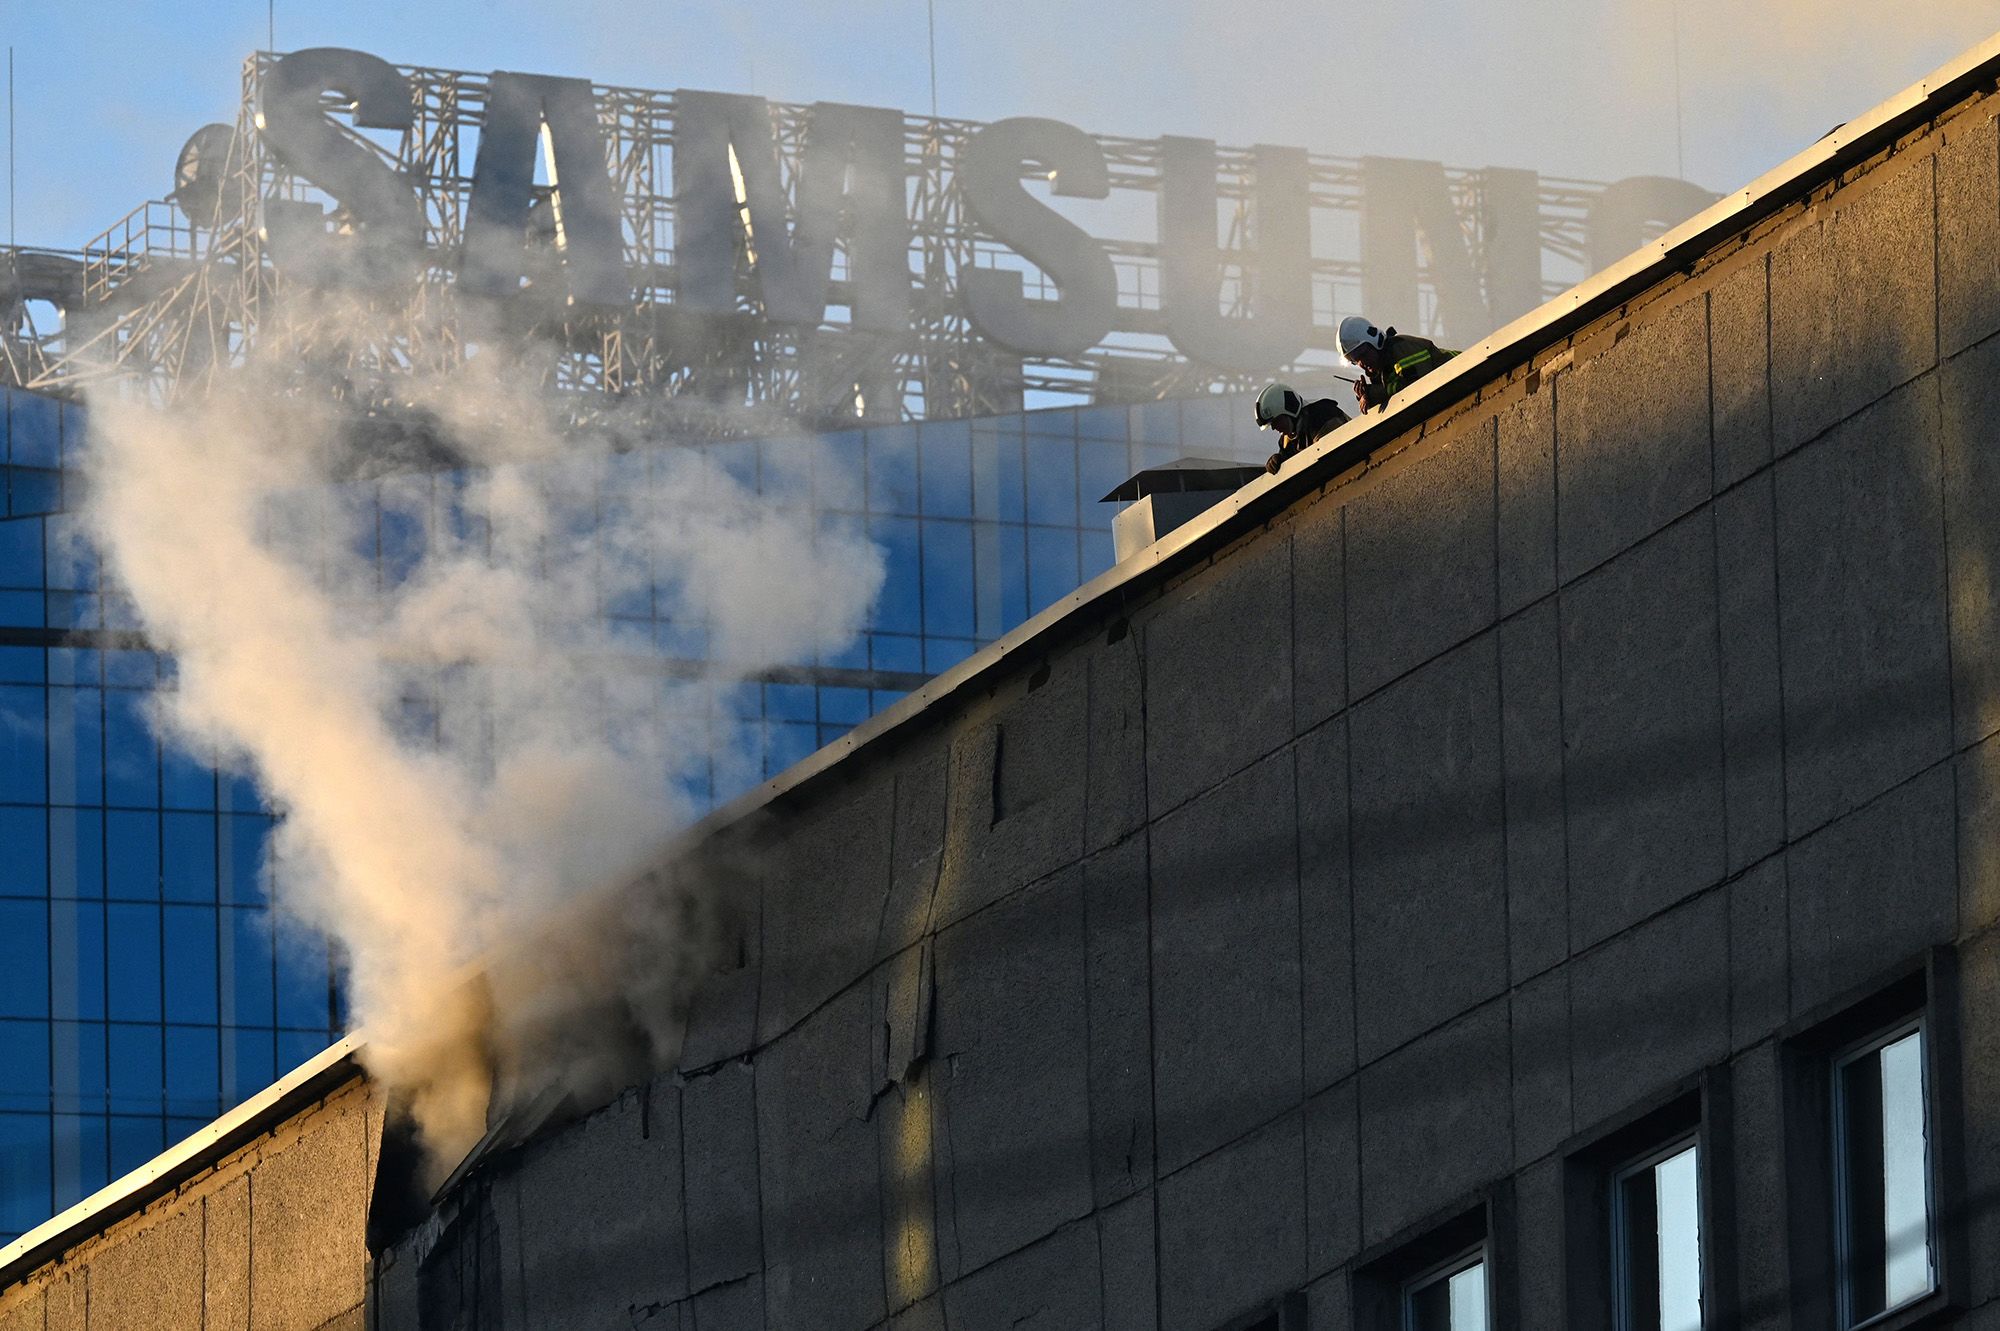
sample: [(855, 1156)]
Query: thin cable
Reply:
[(1680, 144), (930, 14), (271, 25), (10, 147)]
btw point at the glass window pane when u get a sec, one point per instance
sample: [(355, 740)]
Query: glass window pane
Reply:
[(76, 959), (76, 746), (23, 744), (76, 853), (188, 863), (132, 946), (1677, 1188), (21, 552), (131, 755), (303, 972), (948, 578), (134, 1141), (1452, 1300), (189, 935), (947, 469), (132, 855), (1884, 1199), (24, 1065), (24, 959), (24, 852), (138, 1074), (1052, 480), (24, 1172), (194, 1076)]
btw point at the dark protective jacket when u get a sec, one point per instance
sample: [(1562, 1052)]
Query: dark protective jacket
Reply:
[(1316, 421), (1405, 359)]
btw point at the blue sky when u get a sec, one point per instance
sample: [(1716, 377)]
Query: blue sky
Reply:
[(108, 91)]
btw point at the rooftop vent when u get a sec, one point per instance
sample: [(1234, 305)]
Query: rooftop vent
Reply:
[(1160, 499)]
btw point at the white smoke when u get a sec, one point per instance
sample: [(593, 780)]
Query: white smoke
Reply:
[(463, 750)]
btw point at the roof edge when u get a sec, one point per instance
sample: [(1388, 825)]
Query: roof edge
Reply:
[(312, 1080), (1326, 463)]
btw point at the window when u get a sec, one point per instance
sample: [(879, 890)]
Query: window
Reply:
[(1656, 1240), (1451, 1297), (1881, 1169)]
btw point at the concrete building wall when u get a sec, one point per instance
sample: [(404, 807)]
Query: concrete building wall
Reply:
[(1583, 750), (268, 1236)]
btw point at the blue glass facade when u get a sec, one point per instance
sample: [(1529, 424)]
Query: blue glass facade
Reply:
[(144, 986)]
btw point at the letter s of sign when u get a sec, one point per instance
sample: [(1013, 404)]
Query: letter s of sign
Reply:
[(380, 202), (989, 176)]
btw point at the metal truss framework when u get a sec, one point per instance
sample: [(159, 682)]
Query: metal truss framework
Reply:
[(166, 303)]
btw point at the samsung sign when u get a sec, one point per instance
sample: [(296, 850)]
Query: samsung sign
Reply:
[(735, 222)]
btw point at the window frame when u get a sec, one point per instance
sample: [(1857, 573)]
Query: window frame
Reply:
[(1840, 1214), (1478, 1227), (1621, 1276), (1923, 989), (1479, 1254)]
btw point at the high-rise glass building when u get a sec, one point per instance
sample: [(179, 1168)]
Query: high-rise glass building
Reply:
[(144, 987)]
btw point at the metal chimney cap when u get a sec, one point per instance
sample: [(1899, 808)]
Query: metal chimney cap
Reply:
[(1182, 475)]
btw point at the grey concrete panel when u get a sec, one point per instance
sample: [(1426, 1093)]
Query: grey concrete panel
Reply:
[(1319, 613), (719, 1166), (152, 1278), (1430, 911), (1013, 1106), (1526, 472), (1333, 1178), (722, 1018), (818, 1159), (1232, 1230), (1739, 357), (1051, 1286), (68, 1301), (1017, 795), (926, 1315), (1125, 1243), (1435, 1122), (1115, 786), (904, 989), (1540, 1264), (1225, 963), (1979, 1062), (736, 1306), (907, 1115), (1649, 1008), (1420, 559), (1861, 583), (1642, 730), (26, 1310), (1872, 889), (1532, 746), (1330, 1303), (1205, 719), (308, 1211), (607, 1237), (1969, 417), (1632, 437), (1121, 1020), (1757, 1109), (823, 900), (1968, 228), (1326, 907), (1753, 758), (917, 851), (1759, 953), (1979, 837), (1539, 1014), (226, 1260), (1846, 322)]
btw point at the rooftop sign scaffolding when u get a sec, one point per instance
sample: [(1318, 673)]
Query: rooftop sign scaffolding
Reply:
[(715, 250)]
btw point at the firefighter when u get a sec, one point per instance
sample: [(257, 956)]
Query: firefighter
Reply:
[(1389, 361), (1299, 423)]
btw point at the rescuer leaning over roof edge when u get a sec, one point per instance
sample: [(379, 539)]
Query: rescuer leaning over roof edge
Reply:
[(1299, 423), (1389, 361)]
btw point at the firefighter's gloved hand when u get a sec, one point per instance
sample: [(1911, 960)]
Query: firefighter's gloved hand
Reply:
[(1272, 463)]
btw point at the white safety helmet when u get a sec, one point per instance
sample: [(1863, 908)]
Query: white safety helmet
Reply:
[(1275, 401), (1356, 331)]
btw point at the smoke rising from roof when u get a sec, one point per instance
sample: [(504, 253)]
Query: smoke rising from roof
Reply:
[(463, 750)]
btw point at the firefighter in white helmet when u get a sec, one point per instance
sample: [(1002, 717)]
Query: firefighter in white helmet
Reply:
[(1389, 361), (1299, 423)]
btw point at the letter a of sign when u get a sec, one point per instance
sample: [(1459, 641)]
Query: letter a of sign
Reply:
[(519, 108), (729, 194), (1278, 267)]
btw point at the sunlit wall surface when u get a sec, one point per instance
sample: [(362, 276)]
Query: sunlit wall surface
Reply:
[(144, 987)]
